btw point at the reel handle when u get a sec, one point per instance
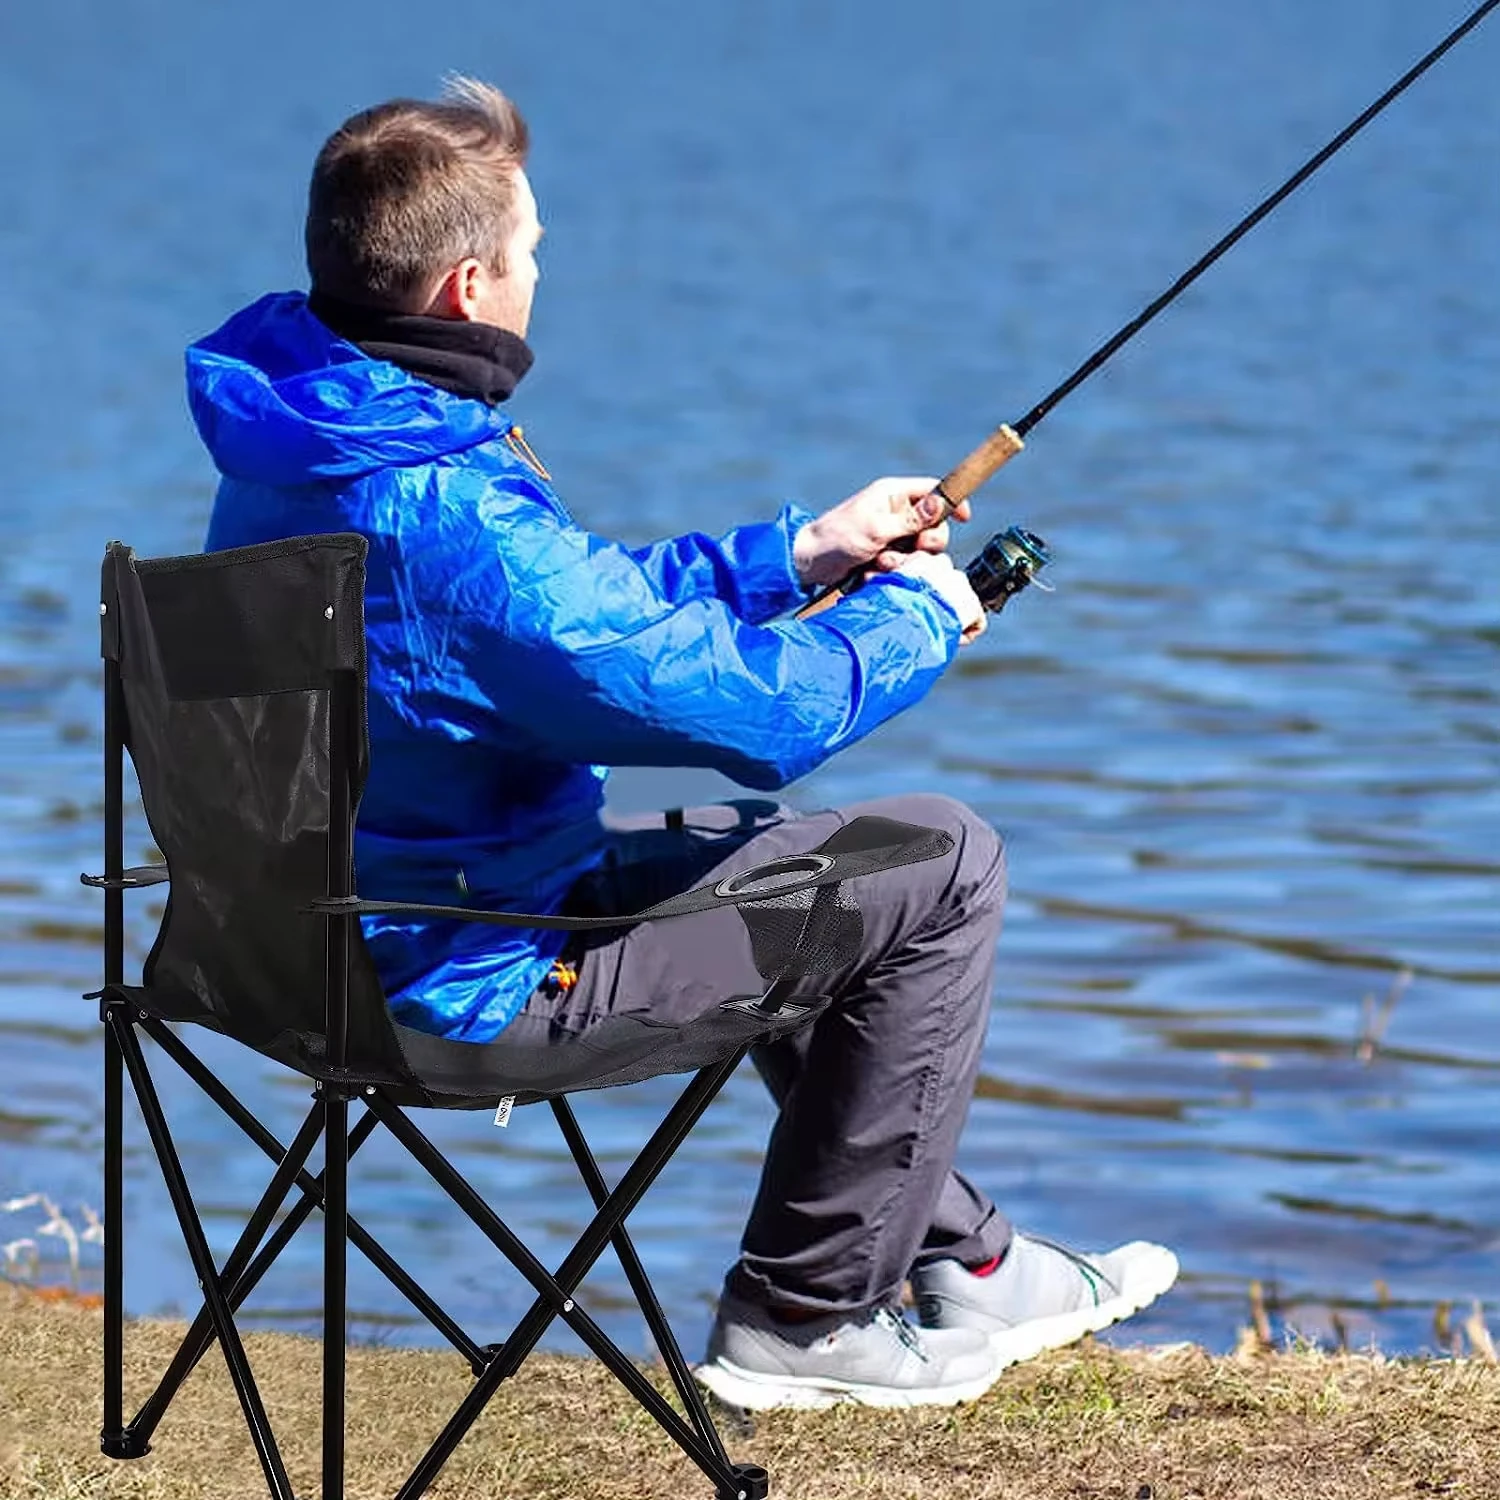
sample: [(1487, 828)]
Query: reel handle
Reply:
[(956, 485)]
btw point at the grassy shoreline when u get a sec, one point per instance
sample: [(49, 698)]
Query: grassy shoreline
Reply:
[(1087, 1424)]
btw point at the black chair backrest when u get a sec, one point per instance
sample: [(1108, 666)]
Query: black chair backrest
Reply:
[(243, 682)]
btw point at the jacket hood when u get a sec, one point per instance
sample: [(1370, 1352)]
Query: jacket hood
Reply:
[(278, 398)]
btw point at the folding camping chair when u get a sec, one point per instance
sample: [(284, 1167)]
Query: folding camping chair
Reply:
[(237, 682)]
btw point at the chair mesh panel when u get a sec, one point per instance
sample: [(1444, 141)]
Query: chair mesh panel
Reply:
[(227, 662), (803, 932)]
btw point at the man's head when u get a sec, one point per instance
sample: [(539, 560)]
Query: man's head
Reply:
[(425, 208)]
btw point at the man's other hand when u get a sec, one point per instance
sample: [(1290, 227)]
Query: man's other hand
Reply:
[(859, 531), (952, 583)]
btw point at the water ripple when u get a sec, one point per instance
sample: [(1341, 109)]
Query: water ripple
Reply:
[(1245, 756)]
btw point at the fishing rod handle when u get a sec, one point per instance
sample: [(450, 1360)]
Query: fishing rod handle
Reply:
[(991, 455), (955, 486)]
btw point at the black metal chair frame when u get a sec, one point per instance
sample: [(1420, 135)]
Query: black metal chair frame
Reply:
[(126, 1011)]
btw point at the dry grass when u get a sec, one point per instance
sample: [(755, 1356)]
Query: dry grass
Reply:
[(1092, 1424)]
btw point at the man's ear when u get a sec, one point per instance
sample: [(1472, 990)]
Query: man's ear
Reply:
[(458, 294)]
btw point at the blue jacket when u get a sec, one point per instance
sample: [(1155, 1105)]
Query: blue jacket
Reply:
[(515, 656)]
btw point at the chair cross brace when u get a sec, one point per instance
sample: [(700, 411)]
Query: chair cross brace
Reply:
[(209, 1281), (225, 1290), (312, 1189)]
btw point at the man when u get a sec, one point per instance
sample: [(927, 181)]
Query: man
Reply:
[(513, 657)]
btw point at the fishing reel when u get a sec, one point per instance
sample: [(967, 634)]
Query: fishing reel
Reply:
[(1009, 562)]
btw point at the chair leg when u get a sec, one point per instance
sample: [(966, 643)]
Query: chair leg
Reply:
[(114, 1440), (640, 1284), (642, 1172), (555, 1293), (559, 1303), (335, 1272), (203, 1264)]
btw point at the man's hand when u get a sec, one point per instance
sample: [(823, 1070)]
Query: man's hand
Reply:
[(860, 530), (952, 583)]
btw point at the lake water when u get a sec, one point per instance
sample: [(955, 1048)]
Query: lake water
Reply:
[(1247, 755)]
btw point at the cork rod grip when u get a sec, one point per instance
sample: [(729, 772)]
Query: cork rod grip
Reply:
[(993, 453), (957, 484)]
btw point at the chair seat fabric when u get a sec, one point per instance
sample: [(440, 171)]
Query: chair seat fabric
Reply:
[(434, 1072)]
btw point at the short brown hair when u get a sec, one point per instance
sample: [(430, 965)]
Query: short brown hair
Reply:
[(402, 191)]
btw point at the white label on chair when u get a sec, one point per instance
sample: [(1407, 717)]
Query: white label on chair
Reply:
[(503, 1109)]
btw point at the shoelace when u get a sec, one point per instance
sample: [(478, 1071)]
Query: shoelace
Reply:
[(1091, 1273), (904, 1331)]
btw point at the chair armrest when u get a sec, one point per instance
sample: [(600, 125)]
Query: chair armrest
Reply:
[(135, 878), (346, 906), (722, 894), (864, 846)]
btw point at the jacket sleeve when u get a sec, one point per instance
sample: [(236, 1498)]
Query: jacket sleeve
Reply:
[(570, 640), (750, 568)]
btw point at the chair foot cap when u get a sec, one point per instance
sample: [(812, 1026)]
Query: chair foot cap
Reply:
[(751, 1483), (125, 1444)]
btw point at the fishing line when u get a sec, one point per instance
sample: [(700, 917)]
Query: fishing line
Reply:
[(1011, 559)]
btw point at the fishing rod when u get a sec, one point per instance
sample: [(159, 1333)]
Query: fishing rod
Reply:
[(1013, 557)]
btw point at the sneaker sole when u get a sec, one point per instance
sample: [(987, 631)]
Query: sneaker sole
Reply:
[(1153, 1275), (755, 1391)]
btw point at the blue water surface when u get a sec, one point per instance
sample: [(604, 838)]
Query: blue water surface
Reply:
[(1246, 758)]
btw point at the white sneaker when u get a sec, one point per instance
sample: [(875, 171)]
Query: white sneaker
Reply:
[(1042, 1296), (878, 1359)]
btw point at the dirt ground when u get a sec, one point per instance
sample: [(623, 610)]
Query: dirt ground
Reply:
[(1086, 1424)]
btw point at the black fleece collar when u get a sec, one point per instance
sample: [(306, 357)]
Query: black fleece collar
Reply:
[(476, 360)]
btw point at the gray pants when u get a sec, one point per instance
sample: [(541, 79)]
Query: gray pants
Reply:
[(858, 1183)]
